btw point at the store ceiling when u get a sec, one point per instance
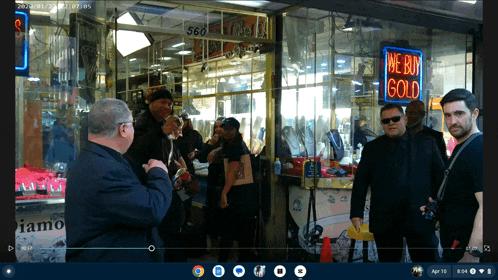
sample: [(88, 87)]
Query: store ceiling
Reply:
[(181, 15), (175, 14)]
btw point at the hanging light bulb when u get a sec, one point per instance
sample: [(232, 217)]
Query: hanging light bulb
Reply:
[(231, 80)]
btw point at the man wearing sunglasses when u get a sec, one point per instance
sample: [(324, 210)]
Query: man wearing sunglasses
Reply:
[(401, 172)]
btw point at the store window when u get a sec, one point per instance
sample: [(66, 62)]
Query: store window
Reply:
[(67, 73), (237, 85), (207, 78), (330, 77)]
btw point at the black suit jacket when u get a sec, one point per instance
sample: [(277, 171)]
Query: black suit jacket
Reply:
[(107, 206), (438, 136), (421, 180)]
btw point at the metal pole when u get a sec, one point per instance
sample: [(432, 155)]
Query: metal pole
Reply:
[(115, 52), (20, 122), (127, 78)]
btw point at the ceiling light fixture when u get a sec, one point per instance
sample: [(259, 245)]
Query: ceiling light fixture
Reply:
[(177, 45), (184, 52), (129, 42)]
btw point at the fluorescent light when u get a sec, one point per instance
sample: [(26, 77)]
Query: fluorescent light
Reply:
[(39, 13), (133, 59), (253, 4), (324, 64), (130, 41), (469, 1), (184, 52), (308, 67), (341, 61), (177, 45), (166, 58), (126, 18), (357, 83), (155, 65), (375, 83)]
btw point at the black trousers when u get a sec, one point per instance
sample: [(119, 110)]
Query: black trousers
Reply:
[(421, 247), (238, 227), (448, 235), (422, 243)]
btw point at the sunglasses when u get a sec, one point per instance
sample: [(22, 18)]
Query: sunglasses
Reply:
[(388, 120)]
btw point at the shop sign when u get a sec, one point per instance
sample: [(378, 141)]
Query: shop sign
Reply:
[(21, 42), (400, 75), (41, 238), (246, 27)]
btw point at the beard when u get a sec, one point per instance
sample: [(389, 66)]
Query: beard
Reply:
[(461, 130)]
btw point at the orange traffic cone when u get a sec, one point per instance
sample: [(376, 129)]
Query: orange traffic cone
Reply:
[(326, 254)]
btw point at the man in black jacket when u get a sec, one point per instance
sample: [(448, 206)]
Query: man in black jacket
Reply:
[(106, 205), (151, 131), (415, 113), (402, 173)]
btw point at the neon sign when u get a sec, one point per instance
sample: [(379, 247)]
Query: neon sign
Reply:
[(21, 54), (401, 75)]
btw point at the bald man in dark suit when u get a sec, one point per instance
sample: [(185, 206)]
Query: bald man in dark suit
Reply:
[(415, 113)]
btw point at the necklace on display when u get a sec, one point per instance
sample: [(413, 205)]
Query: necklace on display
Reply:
[(286, 135), (333, 140)]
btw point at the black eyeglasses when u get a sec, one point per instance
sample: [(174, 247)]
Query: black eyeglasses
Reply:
[(388, 120)]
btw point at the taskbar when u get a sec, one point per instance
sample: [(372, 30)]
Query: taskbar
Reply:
[(298, 271)]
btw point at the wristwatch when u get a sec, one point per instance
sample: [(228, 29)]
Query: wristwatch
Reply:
[(474, 252)]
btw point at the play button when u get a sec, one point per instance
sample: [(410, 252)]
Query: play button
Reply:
[(11, 248)]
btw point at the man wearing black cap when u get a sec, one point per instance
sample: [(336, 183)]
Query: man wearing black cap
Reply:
[(150, 141), (240, 202), (150, 125)]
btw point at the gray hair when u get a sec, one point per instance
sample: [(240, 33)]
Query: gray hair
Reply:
[(105, 115)]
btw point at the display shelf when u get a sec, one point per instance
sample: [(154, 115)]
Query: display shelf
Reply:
[(40, 206), (323, 183)]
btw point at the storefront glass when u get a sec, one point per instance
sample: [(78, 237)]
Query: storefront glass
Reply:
[(331, 70), (69, 70)]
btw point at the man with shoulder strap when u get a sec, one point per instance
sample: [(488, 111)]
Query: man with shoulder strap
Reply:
[(460, 195)]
